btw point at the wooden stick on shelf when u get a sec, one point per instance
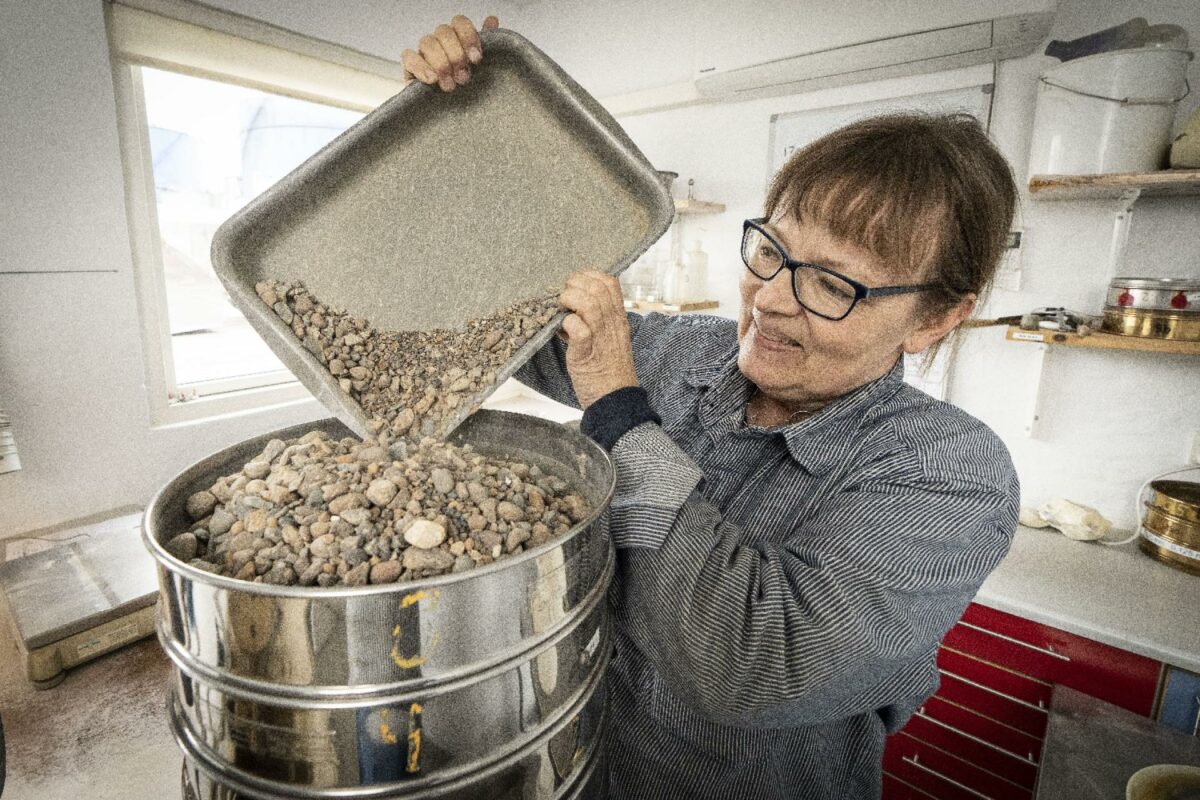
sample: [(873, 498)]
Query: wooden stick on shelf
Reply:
[(1163, 183), (1103, 341), (671, 308), (698, 207)]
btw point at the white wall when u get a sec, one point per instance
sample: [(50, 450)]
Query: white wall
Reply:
[(70, 352), (1112, 419)]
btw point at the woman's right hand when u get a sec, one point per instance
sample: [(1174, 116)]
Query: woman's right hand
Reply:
[(445, 56)]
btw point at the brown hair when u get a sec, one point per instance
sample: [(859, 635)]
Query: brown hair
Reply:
[(927, 193)]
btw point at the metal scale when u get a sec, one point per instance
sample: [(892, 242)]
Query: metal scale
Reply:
[(90, 593)]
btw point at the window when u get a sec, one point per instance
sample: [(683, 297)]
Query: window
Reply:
[(210, 119), (214, 147)]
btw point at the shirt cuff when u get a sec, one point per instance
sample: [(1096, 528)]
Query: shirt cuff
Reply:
[(615, 414), (655, 477)]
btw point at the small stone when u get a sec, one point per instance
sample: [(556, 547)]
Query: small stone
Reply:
[(323, 547), (375, 453), (462, 564), (539, 535), (358, 575), (443, 481), (476, 522), (509, 512), (477, 493), (256, 521), (220, 522), (201, 504), (575, 507), (346, 502), (432, 560), (272, 450), (337, 367), (489, 540), (310, 574), (280, 574), (242, 541), (356, 516), (425, 534), (184, 546), (457, 548), (256, 469), (331, 491), (516, 537), (381, 491), (292, 537), (403, 421), (386, 572), (487, 507)]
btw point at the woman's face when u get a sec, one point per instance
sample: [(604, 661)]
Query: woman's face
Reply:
[(796, 357)]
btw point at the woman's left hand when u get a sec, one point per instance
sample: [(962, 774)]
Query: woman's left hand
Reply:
[(599, 352)]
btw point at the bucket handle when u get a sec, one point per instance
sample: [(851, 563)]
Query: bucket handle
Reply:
[(1129, 101)]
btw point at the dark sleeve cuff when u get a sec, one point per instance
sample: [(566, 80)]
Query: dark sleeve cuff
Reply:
[(617, 413)]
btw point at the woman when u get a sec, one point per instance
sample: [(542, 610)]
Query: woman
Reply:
[(796, 527)]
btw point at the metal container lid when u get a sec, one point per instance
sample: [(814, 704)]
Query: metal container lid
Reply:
[(439, 208), (1163, 284)]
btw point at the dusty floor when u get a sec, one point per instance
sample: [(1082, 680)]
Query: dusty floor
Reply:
[(101, 734)]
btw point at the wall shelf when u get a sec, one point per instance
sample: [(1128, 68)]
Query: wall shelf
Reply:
[(1125, 189), (1103, 341), (1163, 183), (1048, 341), (690, 207), (671, 308)]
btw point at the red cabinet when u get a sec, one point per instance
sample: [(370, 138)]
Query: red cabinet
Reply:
[(980, 736)]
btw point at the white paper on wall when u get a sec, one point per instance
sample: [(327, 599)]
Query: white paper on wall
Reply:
[(9, 462), (790, 132)]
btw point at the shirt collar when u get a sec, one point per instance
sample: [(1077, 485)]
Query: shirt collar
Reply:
[(818, 442)]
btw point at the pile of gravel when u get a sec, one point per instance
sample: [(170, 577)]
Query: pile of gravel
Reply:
[(318, 511), (412, 384)]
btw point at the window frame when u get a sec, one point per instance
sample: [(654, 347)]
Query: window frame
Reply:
[(307, 69)]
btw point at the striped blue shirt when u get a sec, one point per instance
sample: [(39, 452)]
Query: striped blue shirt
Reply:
[(781, 592)]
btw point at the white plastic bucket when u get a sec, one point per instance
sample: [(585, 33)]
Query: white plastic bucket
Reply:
[(1110, 112)]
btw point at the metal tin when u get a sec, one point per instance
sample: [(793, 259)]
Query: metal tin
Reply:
[(438, 208), (1177, 295), (1177, 498), (1168, 552), (433, 688), (1151, 324), (1170, 530)]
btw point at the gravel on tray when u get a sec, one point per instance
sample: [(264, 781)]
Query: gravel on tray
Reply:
[(411, 384), (327, 512)]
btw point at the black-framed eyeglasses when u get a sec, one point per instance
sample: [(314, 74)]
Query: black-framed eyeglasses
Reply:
[(818, 289)]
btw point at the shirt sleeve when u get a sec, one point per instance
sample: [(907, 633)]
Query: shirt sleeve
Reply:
[(546, 372), (811, 627)]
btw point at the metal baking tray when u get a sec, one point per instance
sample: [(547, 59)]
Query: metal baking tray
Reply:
[(438, 208)]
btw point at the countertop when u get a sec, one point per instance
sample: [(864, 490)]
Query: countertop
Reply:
[(1112, 594), (1092, 748)]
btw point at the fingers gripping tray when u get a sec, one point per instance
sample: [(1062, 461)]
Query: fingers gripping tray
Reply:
[(437, 208)]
